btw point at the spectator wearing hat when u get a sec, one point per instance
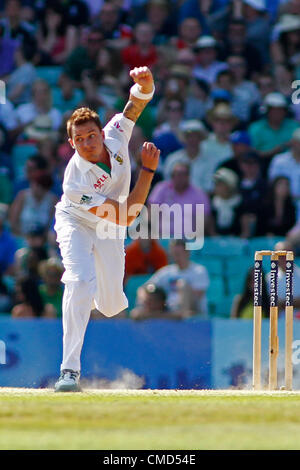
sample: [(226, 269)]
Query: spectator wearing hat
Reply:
[(288, 164), (272, 134), (194, 133), (207, 66), (184, 282), (226, 203), (217, 146), (51, 289), (241, 144), (143, 51), (258, 26), (221, 95), (286, 41), (178, 190)]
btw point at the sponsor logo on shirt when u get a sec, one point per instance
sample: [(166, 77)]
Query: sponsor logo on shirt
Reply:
[(117, 126), (85, 199), (118, 158), (100, 182)]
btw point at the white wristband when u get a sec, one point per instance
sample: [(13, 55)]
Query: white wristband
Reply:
[(135, 90)]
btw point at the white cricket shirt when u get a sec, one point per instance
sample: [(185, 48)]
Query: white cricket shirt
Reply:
[(86, 185)]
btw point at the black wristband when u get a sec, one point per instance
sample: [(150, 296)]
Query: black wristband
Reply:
[(148, 169)]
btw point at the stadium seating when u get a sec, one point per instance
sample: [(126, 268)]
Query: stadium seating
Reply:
[(224, 246), (165, 244), (20, 154), (261, 243), (214, 266), (215, 293), (50, 74)]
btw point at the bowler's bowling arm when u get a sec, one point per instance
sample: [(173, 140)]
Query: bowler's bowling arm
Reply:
[(142, 76)]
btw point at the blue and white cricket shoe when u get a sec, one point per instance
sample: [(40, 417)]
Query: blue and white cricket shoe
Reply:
[(68, 381)]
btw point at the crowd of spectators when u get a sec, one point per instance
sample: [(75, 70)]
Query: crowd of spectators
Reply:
[(225, 116)]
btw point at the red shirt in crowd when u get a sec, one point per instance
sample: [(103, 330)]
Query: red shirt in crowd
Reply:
[(133, 57)]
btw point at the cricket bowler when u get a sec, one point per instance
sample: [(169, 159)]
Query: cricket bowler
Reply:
[(96, 199)]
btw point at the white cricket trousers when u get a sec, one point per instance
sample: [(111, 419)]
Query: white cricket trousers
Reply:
[(94, 272)]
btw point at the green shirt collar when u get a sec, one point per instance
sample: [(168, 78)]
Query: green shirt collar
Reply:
[(104, 167)]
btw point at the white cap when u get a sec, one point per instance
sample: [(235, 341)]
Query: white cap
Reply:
[(288, 23), (193, 125), (227, 176), (275, 100), (258, 5), (205, 41)]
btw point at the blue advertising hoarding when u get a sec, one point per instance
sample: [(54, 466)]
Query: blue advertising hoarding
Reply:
[(164, 354), (159, 354)]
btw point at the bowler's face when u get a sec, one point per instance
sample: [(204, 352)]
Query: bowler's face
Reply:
[(87, 139)]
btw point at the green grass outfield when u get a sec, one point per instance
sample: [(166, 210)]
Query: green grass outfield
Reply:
[(149, 419)]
